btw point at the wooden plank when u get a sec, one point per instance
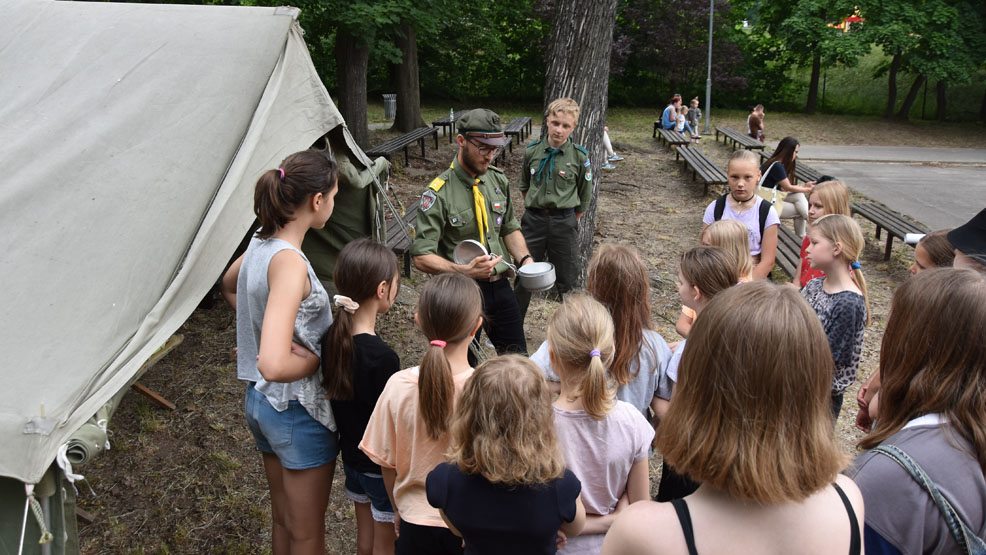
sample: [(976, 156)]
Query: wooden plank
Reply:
[(153, 396)]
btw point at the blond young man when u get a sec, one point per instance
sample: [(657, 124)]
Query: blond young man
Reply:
[(556, 183)]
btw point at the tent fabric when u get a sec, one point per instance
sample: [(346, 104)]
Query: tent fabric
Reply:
[(132, 136)]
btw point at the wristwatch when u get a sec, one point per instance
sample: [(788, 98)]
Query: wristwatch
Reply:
[(526, 256)]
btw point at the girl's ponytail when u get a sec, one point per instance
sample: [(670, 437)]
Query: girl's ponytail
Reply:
[(449, 308), (279, 192), (580, 336), (362, 265), (860, 281)]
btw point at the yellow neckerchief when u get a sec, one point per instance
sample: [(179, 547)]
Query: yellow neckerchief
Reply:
[(479, 206)]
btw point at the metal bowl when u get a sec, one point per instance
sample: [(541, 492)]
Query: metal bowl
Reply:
[(467, 250), (537, 276)]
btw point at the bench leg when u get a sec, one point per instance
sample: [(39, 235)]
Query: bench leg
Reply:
[(422, 141), (655, 129), (407, 264), (406, 160), (890, 245), (436, 139), (878, 231)]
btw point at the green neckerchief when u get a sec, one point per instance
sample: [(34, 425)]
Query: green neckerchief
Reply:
[(550, 161)]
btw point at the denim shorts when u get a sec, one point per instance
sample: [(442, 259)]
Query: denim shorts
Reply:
[(369, 488), (299, 441)]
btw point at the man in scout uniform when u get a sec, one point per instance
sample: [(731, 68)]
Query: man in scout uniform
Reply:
[(471, 200), (556, 182)]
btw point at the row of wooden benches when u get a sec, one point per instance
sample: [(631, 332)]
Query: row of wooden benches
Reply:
[(516, 131)]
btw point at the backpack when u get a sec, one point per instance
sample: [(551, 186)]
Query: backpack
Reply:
[(720, 207)]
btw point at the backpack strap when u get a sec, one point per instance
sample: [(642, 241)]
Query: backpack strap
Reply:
[(720, 207), (764, 212), (968, 541)]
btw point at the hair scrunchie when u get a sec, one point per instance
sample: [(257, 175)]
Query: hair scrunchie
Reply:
[(346, 303), (855, 265), (439, 343), (282, 173), (594, 353)]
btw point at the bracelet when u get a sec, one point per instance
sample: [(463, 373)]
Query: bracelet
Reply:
[(526, 256)]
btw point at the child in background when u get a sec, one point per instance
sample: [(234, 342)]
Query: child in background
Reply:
[(506, 488), (731, 237), (408, 432), (703, 273), (681, 125), (617, 277), (605, 441), (826, 197), (693, 116), (933, 251), (356, 365), (839, 297), (282, 312)]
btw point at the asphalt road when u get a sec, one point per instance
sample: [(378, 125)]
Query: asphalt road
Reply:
[(939, 187)]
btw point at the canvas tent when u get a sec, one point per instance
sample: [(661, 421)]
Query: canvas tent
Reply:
[(131, 137)]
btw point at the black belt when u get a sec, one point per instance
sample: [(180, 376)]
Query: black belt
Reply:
[(552, 211)]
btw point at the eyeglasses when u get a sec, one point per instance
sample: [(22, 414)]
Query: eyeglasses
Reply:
[(485, 149)]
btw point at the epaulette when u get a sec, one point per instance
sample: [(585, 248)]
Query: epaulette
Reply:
[(532, 143), (494, 168), (581, 149)]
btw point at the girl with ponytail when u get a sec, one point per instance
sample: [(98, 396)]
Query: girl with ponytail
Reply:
[(356, 365), (408, 432), (839, 297), (282, 313), (606, 442)]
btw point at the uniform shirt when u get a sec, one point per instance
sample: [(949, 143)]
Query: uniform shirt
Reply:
[(567, 185), (447, 215)]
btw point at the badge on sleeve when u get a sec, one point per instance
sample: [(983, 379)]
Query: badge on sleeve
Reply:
[(587, 163), (588, 175), (427, 200)]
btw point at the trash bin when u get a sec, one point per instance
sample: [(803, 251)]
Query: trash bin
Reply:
[(389, 106)]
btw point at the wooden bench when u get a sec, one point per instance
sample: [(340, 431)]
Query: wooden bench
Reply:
[(788, 251), (499, 157), (519, 127), (802, 172), (738, 139), (398, 242), (701, 166), (887, 219), (448, 123), (672, 138), (403, 142)]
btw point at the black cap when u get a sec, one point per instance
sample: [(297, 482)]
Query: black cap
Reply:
[(970, 238)]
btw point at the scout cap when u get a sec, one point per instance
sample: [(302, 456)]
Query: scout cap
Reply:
[(482, 125), (970, 238)]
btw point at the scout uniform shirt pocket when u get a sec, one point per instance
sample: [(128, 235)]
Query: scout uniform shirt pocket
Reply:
[(498, 210), (462, 225)]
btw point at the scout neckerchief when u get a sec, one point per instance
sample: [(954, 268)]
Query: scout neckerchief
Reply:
[(550, 161), (479, 206)]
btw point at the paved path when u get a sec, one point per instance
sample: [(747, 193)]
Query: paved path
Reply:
[(939, 187)]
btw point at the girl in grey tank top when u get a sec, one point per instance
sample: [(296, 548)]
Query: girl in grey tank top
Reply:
[(282, 312)]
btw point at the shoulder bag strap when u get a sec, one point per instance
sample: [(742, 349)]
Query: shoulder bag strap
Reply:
[(764, 178), (968, 541)]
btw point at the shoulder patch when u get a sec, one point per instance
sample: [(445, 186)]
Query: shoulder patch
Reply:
[(436, 184), (581, 149), (427, 200)]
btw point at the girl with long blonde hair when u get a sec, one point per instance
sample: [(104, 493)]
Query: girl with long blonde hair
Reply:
[(839, 297), (827, 197), (506, 471), (606, 442)]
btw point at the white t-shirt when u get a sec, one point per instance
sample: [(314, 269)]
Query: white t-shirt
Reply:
[(750, 218)]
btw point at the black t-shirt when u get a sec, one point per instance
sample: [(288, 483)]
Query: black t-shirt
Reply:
[(776, 174), (494, 518), (374, 362)]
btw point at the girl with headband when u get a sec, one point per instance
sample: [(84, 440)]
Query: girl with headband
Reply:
[(282, 312), (408, 432), (606, 442)]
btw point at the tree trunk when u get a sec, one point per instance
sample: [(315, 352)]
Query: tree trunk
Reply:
[(940, 110), (816, 70), (408, 91), (578, 54), (912, 95), (892, 85), (352, 57)]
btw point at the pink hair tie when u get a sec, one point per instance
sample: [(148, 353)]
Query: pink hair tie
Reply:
[(438, 343), (282, 173)]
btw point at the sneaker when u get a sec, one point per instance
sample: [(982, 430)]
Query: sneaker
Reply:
[(608, 166), (615, 158)]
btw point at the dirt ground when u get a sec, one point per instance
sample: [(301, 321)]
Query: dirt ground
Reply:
[(191, 481)]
